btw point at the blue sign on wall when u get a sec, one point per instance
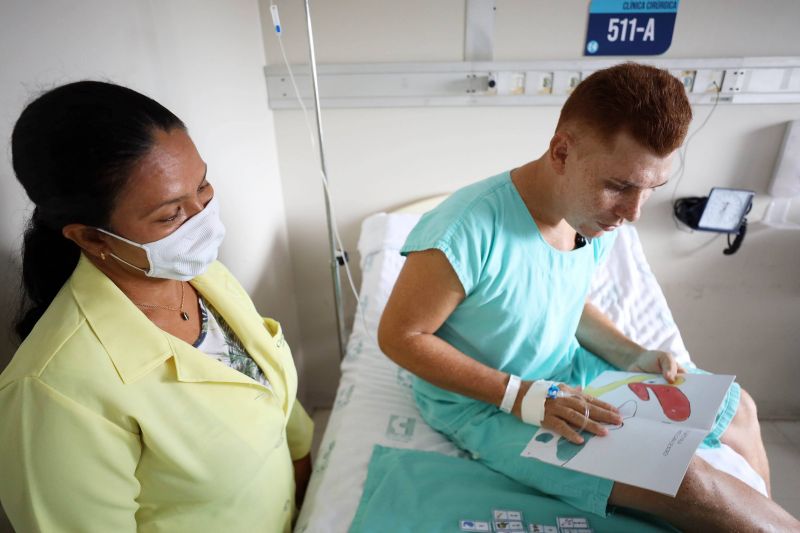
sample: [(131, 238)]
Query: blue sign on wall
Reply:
[(630, 28)]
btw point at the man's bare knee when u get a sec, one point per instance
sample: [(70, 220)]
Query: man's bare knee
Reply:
[(745, 422), (747, 409)]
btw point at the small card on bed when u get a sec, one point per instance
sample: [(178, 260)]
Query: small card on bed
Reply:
[(663, 426)]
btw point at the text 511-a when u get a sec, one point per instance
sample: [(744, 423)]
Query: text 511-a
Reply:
[(628, 29)]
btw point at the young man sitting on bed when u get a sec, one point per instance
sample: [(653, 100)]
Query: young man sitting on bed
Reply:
[(494, 288)]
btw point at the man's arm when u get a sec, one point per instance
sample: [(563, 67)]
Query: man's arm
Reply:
[(425, 294), (600, 336)]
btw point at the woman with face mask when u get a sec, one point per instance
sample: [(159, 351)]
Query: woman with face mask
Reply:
[(148, 394)]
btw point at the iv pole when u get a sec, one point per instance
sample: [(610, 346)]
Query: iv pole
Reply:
[(336, 255)]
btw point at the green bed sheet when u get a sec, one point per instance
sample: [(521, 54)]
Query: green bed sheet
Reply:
[(426, 492)]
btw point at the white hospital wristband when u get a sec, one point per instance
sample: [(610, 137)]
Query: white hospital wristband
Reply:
[(533, 402), (512, 390)]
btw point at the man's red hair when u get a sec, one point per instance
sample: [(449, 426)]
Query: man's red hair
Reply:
[(649, 104)]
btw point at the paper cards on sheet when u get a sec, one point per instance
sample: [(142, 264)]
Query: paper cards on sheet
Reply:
[(663, 426)]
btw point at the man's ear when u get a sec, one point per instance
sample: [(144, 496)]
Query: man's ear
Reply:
[(87, 238), (560, 146)]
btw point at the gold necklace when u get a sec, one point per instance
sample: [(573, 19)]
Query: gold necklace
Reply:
[(184, 314)]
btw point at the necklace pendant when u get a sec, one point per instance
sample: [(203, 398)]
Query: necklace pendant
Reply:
[(184, 315)]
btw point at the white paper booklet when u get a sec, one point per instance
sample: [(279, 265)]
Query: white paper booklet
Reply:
[(663, 426)]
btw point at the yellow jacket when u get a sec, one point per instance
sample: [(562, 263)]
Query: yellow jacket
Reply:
[(110, 424)]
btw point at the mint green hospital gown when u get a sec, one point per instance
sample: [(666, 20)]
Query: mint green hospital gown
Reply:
[(523, 302)]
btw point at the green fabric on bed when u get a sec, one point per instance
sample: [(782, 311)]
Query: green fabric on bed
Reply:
[(414, 491)]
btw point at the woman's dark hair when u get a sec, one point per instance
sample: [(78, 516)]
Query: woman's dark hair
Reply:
[(73, 149)]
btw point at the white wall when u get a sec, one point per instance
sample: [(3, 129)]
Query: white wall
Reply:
[(738, 314), (203, 59)]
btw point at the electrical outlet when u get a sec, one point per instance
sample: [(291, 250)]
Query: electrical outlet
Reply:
[(506, 83), (686, 77), (708, 81), (515, 83), (574, 80), (538, 83), (564, 82)]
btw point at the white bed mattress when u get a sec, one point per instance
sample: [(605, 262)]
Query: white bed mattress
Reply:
[(374, 404)]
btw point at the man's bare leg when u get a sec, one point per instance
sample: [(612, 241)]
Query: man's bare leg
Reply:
[(708, 500), (744, 436)]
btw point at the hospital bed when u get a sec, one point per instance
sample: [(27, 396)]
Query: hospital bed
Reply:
[(374, 404)]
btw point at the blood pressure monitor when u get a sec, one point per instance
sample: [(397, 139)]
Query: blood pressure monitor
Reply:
[(725, 210), (722, 211)]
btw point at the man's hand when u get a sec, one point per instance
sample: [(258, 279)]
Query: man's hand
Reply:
[(657, 362), (567, 416)]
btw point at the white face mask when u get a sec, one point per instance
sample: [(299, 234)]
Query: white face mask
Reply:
[(186, 252)]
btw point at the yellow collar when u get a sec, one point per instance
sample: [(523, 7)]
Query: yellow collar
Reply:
[(136, 345)]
